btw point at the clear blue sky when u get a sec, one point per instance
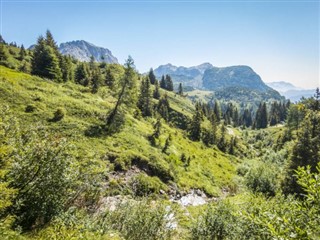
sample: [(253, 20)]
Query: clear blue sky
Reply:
[(278, 39)]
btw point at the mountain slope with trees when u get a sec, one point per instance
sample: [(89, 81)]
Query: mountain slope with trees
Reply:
[(98, 151)]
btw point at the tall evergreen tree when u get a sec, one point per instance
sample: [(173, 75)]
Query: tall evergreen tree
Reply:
[(52, 43), (66, 68), (261, 120), (152, 77), (144, 101), (96, 80), (156, 91), (195, 126), (169, 83), (306, 151), (164, 107), (127, 89), (217, 110), (246, 119), (22, 53), (82, 74), (180, 89), (163, 83), (45, 62)]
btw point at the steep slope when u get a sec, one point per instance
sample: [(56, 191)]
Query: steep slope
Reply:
[(82, 51)]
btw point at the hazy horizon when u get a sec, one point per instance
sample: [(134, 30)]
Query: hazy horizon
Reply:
[(278, 40)]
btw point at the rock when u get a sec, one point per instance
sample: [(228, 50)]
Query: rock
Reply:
[(82, 51)]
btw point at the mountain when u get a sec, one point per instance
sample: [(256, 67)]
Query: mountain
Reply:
[(235, 76), (82, 50), (239, 83), (290, 91), (189, 76), (282, 86)]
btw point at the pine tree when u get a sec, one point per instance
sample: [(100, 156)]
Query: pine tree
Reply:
[(163, 83), (82, 74), (22, 53), (52, 43), (96, 80), (66, 68), (306, 151), (109, 78), (164, 107), (152, 77), (246, 119), (127, 89), (180, 89), (169, 83), (167, 144), (261, 120), (113, 74), (195, 126), (217, 110), (156, 91), (144, 101), (157, 128), (45, 62)]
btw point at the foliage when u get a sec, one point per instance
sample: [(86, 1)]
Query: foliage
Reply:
[(59, 114), (263, 178), (139, 221), (144, 185)]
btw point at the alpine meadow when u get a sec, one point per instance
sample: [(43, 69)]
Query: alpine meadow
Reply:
[(92, 148)]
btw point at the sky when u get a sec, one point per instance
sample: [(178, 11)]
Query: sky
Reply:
[(279, 40)]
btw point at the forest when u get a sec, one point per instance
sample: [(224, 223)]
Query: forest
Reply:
[(90, 150)]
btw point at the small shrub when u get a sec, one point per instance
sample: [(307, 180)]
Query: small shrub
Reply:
[(144, 185), (263, 179), (139, 221), (217, 222), (58, 114), (30, 108)]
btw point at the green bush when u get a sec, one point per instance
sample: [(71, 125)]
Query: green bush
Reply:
[(142, 220), (30, 108), (144, 185), (263, 178), (217, 222), (58, 114)]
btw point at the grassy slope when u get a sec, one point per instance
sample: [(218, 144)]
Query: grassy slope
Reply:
[(209, 170)]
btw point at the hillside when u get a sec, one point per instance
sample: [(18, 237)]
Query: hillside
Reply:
[(85, 111), (90, 150)]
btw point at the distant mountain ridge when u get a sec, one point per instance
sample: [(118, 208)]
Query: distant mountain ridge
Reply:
[(190, 76), (237, 83), (82, 51), (290, 91)]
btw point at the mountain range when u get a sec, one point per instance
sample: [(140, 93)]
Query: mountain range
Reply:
[(237, 79), (227, 82)]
